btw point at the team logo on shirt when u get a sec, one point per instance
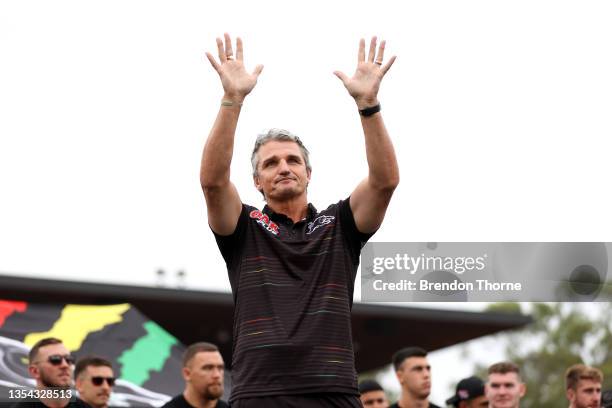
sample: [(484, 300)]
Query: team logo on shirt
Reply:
[(319, 222), (264, 221)]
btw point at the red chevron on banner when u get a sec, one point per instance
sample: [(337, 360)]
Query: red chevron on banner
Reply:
[(8, 307)]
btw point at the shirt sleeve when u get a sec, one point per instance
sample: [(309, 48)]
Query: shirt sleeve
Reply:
[(230, 245), (355, 238)]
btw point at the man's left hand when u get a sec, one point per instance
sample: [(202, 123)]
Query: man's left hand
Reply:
[(364, 84)]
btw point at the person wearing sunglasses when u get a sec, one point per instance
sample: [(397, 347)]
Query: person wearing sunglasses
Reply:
[(51, 365), (94, 380)]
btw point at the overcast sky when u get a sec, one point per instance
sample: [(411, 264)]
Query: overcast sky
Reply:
[(499, 112)]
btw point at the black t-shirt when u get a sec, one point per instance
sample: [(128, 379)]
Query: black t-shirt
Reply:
[(180, 402), (77, 403), (431, 405), (293, 291)]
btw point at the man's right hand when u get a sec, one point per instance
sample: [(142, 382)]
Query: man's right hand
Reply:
[(237, 82)]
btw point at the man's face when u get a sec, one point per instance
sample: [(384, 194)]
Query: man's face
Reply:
[(93, 385), (414, 375), (586, 395), (48, 374), (374, 399), (504, 390), (281, 170), (204, 374), (478, 402)]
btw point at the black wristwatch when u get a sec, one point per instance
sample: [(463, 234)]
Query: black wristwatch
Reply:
[(370, 111)]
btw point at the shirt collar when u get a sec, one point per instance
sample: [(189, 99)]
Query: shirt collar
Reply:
[(278, 217)]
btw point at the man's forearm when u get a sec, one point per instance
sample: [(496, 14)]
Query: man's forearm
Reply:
[(219, 147), (382, 164)]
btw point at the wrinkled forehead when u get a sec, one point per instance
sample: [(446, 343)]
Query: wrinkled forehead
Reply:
[(279, 148), (51, 349)]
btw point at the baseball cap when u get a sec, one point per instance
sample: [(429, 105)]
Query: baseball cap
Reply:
[(467, 389)]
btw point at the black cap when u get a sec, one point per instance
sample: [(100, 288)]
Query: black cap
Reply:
[(467, 389)]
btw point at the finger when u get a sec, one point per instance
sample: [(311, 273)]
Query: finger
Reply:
[(239, 52), (229, 53), (257, 70), (212, 61), (381, 52), (221, 50), (361, 54), (372, 49), (341, 76), (386, 67)]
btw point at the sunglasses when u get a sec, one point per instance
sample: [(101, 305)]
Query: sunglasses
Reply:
[(56, 359), (97, 381)]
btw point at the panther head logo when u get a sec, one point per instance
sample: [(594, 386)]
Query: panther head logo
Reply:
[(319, 222)]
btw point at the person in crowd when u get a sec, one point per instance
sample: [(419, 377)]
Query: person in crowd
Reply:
[(583, 386), (504, 387), (94, 380), (203, 371), (372, 395), (470, 393), (51, 365), (414, 375)]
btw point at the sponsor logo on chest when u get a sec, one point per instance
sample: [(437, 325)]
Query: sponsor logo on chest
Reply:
[(264, 221)]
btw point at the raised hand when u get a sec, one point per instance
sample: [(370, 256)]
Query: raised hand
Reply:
[(237, 82), (365, 82)]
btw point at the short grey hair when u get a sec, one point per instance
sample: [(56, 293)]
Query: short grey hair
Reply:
[(279, 135)]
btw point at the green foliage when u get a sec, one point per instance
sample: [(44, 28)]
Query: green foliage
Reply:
[(561, 335), (504, 307)]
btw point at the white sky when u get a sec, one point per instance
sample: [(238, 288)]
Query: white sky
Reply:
[(499, 112)]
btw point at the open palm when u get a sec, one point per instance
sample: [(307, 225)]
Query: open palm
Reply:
[(365, 82), (236, 81)]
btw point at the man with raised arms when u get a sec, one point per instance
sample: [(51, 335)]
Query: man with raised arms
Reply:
[(291, 267)]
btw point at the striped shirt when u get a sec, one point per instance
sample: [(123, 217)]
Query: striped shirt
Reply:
[(292, 286)]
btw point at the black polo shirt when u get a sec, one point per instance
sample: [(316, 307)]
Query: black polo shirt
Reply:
[(431, 405), (180, 402), (77, 403), (293, 291)]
